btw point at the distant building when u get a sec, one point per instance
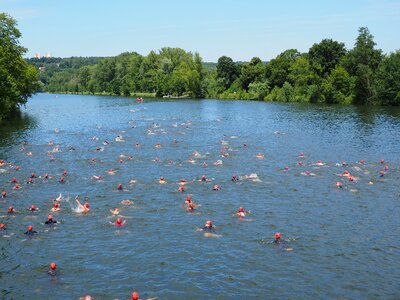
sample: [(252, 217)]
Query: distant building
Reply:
[(47, 55), (37, 55)]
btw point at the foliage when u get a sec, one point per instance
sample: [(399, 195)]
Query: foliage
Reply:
[(18, 79), (327, 73)]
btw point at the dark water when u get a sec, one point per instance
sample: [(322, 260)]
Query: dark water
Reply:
[(337, 243)]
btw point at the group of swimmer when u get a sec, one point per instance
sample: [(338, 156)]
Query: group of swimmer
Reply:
[(208, 229)]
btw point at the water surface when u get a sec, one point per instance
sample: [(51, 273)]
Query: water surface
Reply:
[(338, 243)]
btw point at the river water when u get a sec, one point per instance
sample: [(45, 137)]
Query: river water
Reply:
[(335, 242)]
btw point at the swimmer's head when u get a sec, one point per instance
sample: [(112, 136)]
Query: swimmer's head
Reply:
[(62, 179), (135, 296), (277, 235), (181, 188), (53, 266), (33, 175), (17, 186), (30, 228), (87, 297), (240, 209), (216, 187), (162, 178), (188, 198), (50, 217), (87, 205), (55, 205), (46, 175), (2, 225), (361, 161), (10, 209), (120, 186), (3, 194), (30, 180), (382, 161), (65, 173), (183, 180), (33, 207), (351, 178), (119, 221), (345, 172), (17, 168), (209, 223), (339, 184), (286, 168), (13, 180)]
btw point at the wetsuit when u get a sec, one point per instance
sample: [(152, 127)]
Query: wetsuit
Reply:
[(50, 221)]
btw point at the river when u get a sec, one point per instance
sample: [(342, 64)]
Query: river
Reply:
[(335, 242)]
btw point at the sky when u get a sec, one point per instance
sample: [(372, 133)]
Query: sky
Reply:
[(240, 29)]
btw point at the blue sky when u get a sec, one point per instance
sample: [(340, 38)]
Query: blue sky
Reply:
[(239, 29)]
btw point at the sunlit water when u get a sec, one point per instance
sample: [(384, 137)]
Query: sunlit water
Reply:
[(338, 243)]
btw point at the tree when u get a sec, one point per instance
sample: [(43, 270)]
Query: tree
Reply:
[(388, 80), (362, 62), (277, 70), (227, 71), (18, 79), (325, 56), (252, 72)]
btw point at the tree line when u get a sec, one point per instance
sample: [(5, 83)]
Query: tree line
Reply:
[(327, 73)]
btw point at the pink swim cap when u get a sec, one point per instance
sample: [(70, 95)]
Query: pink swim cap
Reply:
[(53, 266), (135, 296), (277, 235), (119, 221)]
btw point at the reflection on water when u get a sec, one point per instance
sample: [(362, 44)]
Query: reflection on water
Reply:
[(336, 242)]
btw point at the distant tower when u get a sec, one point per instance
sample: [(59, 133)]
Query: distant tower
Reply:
[(37, 55), (48, 55)]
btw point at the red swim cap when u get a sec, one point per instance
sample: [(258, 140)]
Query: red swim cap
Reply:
[(2, 225), (14, 179), (17, 168), (62, 179), (30, 228), (135, 296), (120, 186), (382, 161), (361, 161), (50, 216), (161, 178), (382, 173), (87, 297), (17, 186), (87, 205), (118, 221), (10, 209), (183, 180), (351, 178), (33, 207), (3, 194), (33, 174), (65, 173), (53, 266), (240, 209), (56, 205), (277, 235), (188, 198), (286, 168), (345, 172)]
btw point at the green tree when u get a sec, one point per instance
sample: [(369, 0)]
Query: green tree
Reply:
[(252, 72), (388, 80), (362, 62), (18, 79), (227, 71), (277, 70), (325, 55)]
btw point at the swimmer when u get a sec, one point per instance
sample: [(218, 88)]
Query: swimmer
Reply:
[(204, 179), (33, 208), (30, 230), (339, 185), (52, 270), (204, 165), (111, 172), (46, 176), (216, 187), (120, 187), (158, 146), (208, 226), (277, 238), (82, 208), (65, 173), (307, 173), (162, 180), (118, 222), (235, 178), (217, 163), (33, 175), (115, 211), (50, 220), (181, 189), (16, 186), (14, 180), (3, 226), (300, 163), (3, 194), (11, 210), (30, 181), (241, 213), (286, 168), (61, 180), (97, 177), (56, 207), (17, 168), (260, 156), (301, 155), (319, 163), (126, 202)]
